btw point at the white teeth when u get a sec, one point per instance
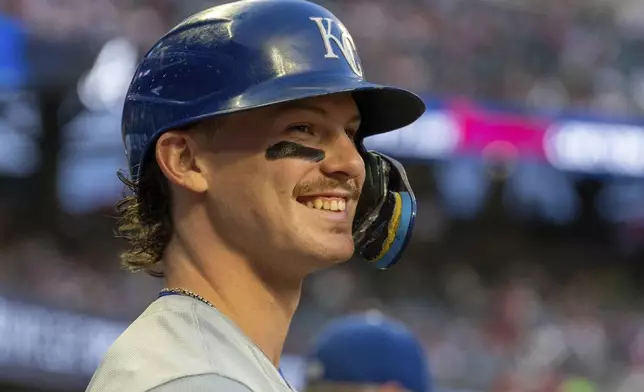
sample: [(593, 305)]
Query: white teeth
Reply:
[(326, 204)]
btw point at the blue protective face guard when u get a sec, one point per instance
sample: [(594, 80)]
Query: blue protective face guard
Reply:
[(386, 211)]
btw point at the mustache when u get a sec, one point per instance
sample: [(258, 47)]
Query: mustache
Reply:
[(325, 185)]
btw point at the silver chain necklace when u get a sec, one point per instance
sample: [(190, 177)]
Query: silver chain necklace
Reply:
[(187, 293)]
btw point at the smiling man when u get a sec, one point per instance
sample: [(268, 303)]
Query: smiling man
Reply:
[(243, 127)]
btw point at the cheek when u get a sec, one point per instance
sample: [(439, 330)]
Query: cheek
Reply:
[(236, 189), (281, 178), (255, 189)]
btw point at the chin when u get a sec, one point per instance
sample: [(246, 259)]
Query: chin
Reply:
[(339, 258), (328, 256)]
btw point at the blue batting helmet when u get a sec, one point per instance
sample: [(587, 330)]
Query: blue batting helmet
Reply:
[(253, 53), (366, 350)]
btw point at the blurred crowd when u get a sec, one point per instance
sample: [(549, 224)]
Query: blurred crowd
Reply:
[(523, 332), (549, 55), (546, 55)]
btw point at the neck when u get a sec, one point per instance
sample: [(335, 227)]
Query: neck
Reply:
[(261, 306)]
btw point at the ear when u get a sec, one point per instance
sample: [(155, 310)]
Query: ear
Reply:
[(177, 154)]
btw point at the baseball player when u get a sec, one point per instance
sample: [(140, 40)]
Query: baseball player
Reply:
[(243, 127), (367, 353)]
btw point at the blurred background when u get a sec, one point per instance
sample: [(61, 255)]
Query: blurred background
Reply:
[(525, 269)]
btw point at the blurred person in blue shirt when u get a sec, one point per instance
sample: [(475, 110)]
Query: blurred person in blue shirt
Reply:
[(367, 353)]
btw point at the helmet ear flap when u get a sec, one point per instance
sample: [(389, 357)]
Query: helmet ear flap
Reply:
[(386, 211)]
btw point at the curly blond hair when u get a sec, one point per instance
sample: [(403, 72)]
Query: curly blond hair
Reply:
[(144, 220)]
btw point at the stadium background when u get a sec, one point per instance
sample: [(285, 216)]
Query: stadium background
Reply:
[(525, 269)]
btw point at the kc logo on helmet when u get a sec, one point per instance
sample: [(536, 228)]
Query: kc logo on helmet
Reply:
[(344, 43)]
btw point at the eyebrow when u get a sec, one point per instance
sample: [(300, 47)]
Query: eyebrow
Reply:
[(312, 108)]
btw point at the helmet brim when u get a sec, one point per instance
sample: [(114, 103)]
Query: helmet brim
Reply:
[(382, 108)]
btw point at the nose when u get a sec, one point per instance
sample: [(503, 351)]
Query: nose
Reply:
[(342, 161)]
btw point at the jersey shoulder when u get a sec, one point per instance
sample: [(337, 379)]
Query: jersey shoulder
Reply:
[(172, 340), (202, 383)]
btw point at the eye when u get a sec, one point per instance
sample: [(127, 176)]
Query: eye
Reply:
[(301, 128)]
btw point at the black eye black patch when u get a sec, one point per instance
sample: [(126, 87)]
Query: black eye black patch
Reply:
[(287, 149)]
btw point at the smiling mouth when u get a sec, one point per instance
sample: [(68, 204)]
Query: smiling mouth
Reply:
[(332, 204)]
